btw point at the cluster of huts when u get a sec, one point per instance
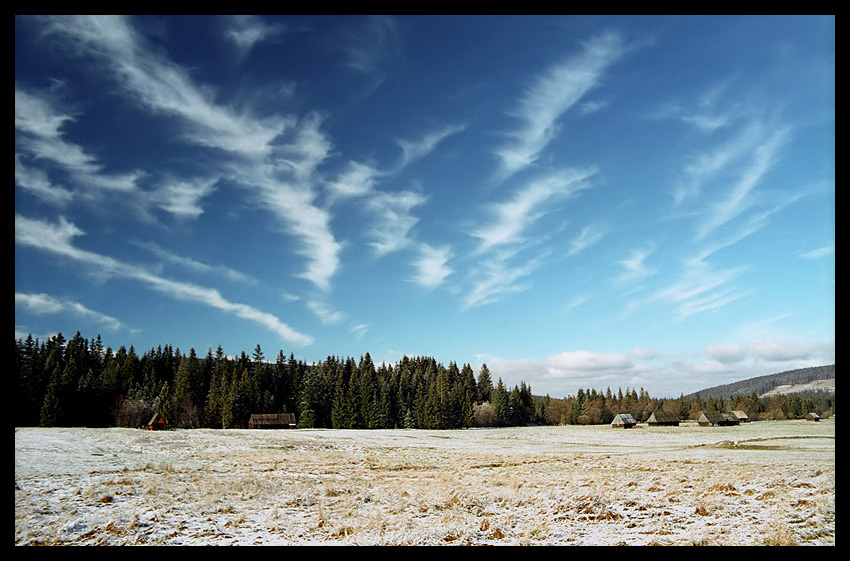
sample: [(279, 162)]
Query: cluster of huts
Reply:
[(665, 419)]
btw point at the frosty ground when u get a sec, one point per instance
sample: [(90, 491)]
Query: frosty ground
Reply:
[(763, 483)]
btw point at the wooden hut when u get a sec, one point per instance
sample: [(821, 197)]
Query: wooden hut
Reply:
[(742, 417), (813, 417), (272, 421), (663, 419), (717, 419), (156, 423), (623, 421)]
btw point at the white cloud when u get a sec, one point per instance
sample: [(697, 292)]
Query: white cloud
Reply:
[(726, 353), (498, 274), (247, 31), (412, 151), (497, 277), (635, 267), (431, 266), (359, 331), (356, 180), (275, 156), (325, 313), (368, 49), (40, 124), (570, 362), (699, 289), (737, 199), (819, 252), (553, 94), (513, 217), (195, 265), (589, 236), (37, 182), (56, 239), (182, 197), (393, 219), (46, 304)]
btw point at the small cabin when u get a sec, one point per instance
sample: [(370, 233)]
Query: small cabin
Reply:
[(157, 422), (813, 417), (717, 419), (272, 421), (742, 417), (663, 419), (623, 421)]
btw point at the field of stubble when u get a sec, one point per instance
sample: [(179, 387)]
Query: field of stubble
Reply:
[(764, 483)]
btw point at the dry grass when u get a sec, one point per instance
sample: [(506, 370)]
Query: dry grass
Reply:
[(546, 485)]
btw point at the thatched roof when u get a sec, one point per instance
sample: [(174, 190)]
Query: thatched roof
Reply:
[(741, 415)]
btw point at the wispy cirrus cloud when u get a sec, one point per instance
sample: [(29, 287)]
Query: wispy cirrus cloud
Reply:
[(819, 252), (431, 266), (370, 47), (42, 142), (513, 217), (551, 95), (195, 265), (760, 160), (245, 32), (498, 277), (635, 267), (393, 210), (46, 304), (391, 231), (700, 288), (325, 313), (57, 239), (38, 182), (590, 235), (41, 137), (502, 270), (414, 150), (274, 156)]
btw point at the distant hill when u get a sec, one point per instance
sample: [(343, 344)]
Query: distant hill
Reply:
[(792, 381)]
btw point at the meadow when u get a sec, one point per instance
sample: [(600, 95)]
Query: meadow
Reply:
[(761, 483)]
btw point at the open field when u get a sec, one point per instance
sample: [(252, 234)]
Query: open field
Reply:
[(767, 483)]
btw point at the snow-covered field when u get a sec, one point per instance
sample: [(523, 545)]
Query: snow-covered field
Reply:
[(767, 483)]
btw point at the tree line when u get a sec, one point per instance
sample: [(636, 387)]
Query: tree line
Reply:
[(592, 407), (81, 382)]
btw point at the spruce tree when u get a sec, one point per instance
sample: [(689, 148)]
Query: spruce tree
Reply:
[(485, 384)]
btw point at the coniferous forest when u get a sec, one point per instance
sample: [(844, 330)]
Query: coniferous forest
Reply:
[(81, 382)]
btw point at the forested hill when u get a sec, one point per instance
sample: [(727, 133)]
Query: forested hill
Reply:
[(763, 384)]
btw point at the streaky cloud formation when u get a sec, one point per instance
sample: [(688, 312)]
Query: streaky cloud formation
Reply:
[(578, 201), (551, 95)]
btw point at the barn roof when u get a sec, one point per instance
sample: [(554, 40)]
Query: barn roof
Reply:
[(713, 416), (625, 418), (261, 419), (663, 417)]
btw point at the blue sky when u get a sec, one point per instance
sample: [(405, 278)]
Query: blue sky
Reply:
[(574, 201)]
